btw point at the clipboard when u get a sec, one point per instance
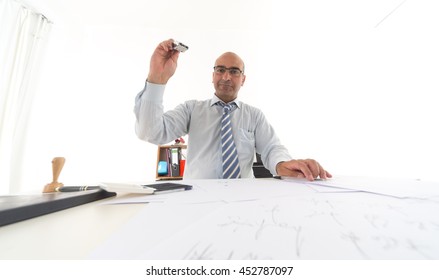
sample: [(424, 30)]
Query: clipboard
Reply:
[(15, 208)]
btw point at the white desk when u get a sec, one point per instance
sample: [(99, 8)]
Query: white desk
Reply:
[(67, 234), (238, 219)]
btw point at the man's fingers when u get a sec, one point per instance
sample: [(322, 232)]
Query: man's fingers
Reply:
[(317, 170), (295, 168), (314, 167), (303, 168), (167, 45)]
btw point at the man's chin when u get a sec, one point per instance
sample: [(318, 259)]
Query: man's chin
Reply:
[(226, 90), (226, 96)]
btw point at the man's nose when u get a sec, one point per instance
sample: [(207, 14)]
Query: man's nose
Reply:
[(226, 75)]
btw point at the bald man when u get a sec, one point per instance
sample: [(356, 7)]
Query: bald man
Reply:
[(202, 121)]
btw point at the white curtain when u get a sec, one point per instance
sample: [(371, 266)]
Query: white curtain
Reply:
[(23, 33)]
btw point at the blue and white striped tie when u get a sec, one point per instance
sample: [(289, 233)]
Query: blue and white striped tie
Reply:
[(231, 167)]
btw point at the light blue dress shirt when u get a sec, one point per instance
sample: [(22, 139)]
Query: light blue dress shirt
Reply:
[(201, 121)]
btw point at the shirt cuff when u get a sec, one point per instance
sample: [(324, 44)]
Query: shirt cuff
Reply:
[(153, 92)]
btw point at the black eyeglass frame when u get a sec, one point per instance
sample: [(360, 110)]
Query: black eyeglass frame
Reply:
[(219, 67)]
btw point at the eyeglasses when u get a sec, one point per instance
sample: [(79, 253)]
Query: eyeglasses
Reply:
[(233, 71)]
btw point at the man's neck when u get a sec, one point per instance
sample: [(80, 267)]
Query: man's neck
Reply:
[(225, 100)]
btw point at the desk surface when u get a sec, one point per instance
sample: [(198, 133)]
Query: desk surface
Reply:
[(67, 234), (239, 219)]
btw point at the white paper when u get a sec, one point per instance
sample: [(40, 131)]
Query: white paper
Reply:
[(275, 219), (320, 227), (401, 188)]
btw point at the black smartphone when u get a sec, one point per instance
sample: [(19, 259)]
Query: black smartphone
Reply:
[(162, 187)]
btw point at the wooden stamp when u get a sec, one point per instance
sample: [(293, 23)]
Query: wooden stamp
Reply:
[(57, 165)]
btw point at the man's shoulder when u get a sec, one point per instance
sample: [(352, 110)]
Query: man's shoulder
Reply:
[(194, 103), (249, 107), (197, 102)]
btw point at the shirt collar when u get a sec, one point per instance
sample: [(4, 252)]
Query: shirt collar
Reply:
[(215, 99)]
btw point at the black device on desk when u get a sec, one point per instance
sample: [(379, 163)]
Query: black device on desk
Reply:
[(145, 189), (15, 208)]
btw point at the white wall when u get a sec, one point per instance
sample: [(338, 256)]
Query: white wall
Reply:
[(339, 83)]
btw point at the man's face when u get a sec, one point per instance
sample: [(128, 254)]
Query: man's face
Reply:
[(228, 76)]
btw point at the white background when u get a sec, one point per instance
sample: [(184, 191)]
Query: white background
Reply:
[(352, 84)]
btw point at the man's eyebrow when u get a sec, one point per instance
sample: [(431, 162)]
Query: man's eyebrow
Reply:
[(233, 67)]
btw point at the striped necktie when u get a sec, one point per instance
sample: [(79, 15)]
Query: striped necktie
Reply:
[(231, 167)]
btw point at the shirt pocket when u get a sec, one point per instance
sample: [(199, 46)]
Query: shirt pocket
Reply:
[(247, 141)]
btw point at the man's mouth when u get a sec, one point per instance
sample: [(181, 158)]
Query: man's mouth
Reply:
[(225, 84)]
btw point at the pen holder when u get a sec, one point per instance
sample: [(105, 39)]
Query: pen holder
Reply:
[(57, 165)]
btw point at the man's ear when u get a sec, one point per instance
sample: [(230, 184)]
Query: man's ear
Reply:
[(243, 79)]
